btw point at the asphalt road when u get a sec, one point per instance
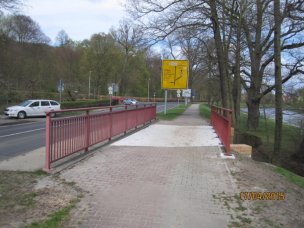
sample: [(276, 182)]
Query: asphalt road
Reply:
[(20, 136)]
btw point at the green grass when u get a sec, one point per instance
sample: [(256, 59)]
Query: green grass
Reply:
[(204, 111), (172, 113), (56, 219), (40, 172), (28, 200), (294, 178)]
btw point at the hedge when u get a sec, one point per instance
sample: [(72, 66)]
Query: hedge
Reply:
[(86, 103)]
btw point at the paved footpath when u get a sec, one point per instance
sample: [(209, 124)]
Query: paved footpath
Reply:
[(165, 175)]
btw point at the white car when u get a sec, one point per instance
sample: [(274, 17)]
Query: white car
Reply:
[(129, 101), (32, 108)]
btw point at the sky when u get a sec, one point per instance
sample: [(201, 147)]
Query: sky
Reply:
[(78, 18)]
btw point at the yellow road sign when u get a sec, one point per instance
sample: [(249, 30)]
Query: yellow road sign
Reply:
[(175, 74)]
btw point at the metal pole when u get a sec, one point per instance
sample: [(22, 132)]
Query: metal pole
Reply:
[(148, 89), (166, 96), (90, 83), (87, 131), (60, 90)]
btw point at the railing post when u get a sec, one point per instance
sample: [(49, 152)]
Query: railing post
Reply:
[(144, 111), (229, 116), (150, 113), (87, 130), (126, 122), (136, 116), (211, 118), (154, 111), (111, 123), (47, 165)]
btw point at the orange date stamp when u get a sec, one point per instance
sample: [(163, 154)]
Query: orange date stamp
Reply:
[(262, 195)]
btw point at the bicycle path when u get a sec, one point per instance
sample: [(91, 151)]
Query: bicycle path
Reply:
[(165, 175)]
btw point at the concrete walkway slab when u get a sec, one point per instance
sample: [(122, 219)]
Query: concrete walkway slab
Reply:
[(172, 136), (142, 182)]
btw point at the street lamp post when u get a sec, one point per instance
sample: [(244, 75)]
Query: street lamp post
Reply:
[(148, 89), (90, 83)]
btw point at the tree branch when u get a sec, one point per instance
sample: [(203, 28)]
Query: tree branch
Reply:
[(291, 74)]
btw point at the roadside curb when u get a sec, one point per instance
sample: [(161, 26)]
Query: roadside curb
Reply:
[(28, 162)]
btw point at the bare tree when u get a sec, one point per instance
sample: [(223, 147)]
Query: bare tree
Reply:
[(23, 29), (258, 26), (62, 38), (130, 38), (10, 5)]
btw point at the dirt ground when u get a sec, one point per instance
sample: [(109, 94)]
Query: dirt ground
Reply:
[(253, 176), (27, 197)]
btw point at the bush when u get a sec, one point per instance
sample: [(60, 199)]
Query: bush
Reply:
[(87, 103)]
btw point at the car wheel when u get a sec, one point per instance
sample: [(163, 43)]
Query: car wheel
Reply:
[(21, 115), (52, 115)]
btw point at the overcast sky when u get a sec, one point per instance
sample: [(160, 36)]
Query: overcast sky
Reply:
[(79, 18)]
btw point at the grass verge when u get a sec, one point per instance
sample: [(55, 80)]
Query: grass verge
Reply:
[(294, 178), (56, 219), (27, 196), (205, 111), (172, 113)]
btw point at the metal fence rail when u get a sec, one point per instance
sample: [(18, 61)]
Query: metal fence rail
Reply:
[(221, 120), (68, 135)]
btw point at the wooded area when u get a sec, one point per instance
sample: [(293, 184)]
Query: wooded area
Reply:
[(31, 68)]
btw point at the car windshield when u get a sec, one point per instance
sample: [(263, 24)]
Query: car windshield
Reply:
[(25, 103)]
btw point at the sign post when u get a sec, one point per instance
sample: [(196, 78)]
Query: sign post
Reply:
[(178, 94), (110, 89), (174, 76), (186, 94), (166, 96), (60, 89)]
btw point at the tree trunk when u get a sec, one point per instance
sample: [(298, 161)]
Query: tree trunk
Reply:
[(220, 55), (253, 105), (237, 80), (278, 81)]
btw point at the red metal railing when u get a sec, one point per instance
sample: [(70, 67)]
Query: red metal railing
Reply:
[(221, 120), (68, 135)]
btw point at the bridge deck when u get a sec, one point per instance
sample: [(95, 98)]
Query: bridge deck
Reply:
[(162, 176)]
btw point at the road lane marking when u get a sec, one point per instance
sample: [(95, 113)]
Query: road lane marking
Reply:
[(18, 124), (19, 133)]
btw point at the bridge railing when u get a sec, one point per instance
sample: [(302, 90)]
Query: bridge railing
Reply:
[(68, 135), (221, 120)]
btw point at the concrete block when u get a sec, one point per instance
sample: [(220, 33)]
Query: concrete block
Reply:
[(241, 148), (231, 134)]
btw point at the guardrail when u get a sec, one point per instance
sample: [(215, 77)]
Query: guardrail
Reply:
[(67, 135), (221, 120)]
